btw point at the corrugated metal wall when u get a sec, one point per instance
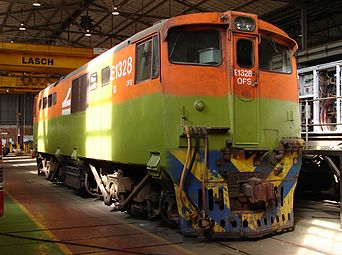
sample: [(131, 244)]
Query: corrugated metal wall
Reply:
[(11, 105)]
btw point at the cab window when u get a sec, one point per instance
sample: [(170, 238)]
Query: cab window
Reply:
[(147, 60), (50, 100), (195, 47), (93, 81), (54, 98), (105, 76), (79, 94), (244, 53), (44, 102), (274, 57)]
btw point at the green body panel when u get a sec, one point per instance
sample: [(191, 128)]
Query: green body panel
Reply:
[(246, 121), (128, 132), (125, 132), (278, 119), (181, 110)]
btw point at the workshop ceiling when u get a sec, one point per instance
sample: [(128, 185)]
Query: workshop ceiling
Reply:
[(70, 22)]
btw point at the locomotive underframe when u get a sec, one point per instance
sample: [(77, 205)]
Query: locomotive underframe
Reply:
[(250, 204), (126, 187)]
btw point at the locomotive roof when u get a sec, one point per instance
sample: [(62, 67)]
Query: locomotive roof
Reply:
[(164, 25)]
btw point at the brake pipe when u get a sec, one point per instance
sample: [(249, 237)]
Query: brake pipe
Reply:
[(181, 182), (194, 155), (204, 174)]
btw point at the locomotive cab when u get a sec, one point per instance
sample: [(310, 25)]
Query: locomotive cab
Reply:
[(224, 83)]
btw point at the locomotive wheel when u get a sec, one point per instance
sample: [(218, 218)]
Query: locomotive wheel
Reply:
[(168, 210)]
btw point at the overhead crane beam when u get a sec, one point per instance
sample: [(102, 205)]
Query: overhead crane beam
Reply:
[(27, 84), (42, 58)]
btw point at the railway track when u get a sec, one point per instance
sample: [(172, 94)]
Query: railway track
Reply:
[(84, 226)]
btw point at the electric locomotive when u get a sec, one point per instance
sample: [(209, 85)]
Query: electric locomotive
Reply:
[(194, 119)]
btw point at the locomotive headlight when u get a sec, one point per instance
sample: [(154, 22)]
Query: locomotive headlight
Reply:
[(244, 24)]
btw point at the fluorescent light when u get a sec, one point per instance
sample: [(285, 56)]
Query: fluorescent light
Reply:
[(88, 34), (22, 27), (36, 4), (115, 11)]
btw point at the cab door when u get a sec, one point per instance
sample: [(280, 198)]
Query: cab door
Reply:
[(245, 90)]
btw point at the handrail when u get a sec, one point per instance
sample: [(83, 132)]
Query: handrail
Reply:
[(307, 125)]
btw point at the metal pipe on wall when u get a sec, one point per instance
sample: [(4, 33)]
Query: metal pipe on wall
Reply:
[(304, 25)]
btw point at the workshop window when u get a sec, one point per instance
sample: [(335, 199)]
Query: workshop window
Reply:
[(105, 76)]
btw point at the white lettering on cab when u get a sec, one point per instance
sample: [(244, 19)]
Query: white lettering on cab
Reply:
[(122, 68), (244, 77), (66, 104)]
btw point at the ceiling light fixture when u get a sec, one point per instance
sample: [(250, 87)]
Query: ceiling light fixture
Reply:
[(88, 34), (36, 4), (22, 27), (115, 11)]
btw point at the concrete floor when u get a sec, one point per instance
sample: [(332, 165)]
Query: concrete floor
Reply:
[(44, 218)]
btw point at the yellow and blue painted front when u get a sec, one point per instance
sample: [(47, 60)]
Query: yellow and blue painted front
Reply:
[(228, 222)]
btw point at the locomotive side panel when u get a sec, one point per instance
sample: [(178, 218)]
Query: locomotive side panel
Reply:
[(107, 116)]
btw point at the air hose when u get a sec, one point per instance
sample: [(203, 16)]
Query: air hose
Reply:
[(181, 182), (197, 145), (204, 174)]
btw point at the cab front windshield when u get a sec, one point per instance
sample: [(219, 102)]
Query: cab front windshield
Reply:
[(274, 57), (194, 47)]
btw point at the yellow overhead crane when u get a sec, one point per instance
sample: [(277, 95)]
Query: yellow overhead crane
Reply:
[(19, 83), (27, 68)]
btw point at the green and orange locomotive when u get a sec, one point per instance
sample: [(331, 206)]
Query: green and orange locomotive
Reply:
[(194, 119)]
